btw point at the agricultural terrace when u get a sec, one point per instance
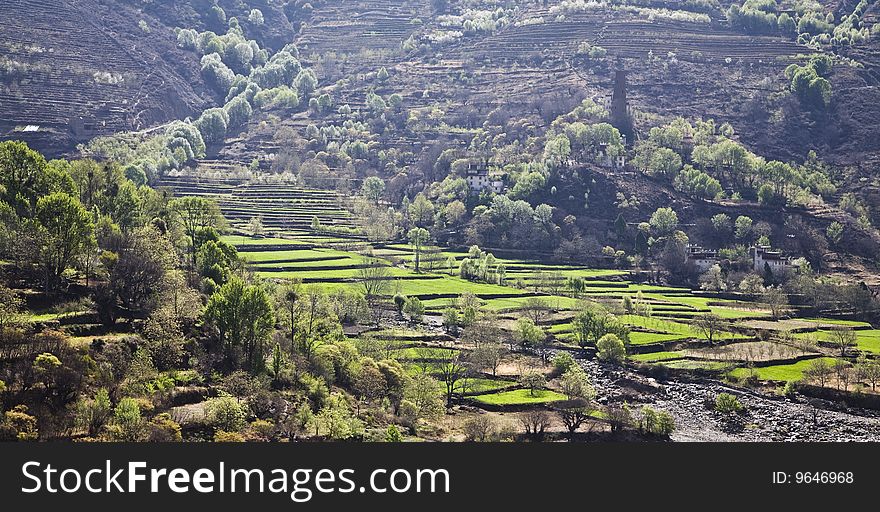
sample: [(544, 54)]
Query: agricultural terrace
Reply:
[(662, 321)]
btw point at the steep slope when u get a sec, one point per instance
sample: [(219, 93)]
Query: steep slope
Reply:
[(74, 69)]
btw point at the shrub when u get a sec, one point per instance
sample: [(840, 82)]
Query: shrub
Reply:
[(725, 403), (611, 349)]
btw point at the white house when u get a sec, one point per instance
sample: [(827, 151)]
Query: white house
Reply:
[(763, 256), (478, 180)]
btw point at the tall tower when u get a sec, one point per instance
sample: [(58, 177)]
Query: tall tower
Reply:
[(620, 117)]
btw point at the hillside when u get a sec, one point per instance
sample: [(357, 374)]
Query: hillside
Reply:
[(439, 220)]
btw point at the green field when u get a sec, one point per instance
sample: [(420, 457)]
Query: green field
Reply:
[(520, 397), (654, 357), (867, 340), (781, 372)]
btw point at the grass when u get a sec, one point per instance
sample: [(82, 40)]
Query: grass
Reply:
[(298, 254), (688, 364), (835, 321), (781, 372), (480, 385), (654, 357), (520, 397), (867, 340), (415, 353), (246, 240)]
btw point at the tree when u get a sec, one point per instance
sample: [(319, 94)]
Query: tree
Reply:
[(533, 380), (713, 279), (417, 238), (488, 355), (421, 211), (752, 283), (452, 370), (576, 384), (127, 421), (776, 300), (392, 434), (138, 275), (422, 399), (369, 382), (67, 230), (709, 325), (742, 227), (372, 189), (663, 221), (593, 321), (818, 370), (529, 334), (871, 373), (843, 338), (213, 124), (288, 300), (535, 308), (835, 232), (226, 414), (479, 428), (22, 176), (195, 215), (244, 317), (610, 348), (374, 278), (535, 423), (414, 309)]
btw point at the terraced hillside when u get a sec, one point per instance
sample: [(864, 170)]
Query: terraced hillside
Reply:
[(281, 208), (57, 89)]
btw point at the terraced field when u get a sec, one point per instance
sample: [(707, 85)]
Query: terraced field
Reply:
[(661, 335), (282, 208)]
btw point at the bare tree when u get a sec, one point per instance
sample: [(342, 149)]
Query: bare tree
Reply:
[(709, 325), (535, 423), (842, 338), (819, 371), (479, 428), (375, 281), (452, 370), (575, 413), (535, 308)]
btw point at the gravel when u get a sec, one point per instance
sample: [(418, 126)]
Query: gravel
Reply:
[(766, 418)]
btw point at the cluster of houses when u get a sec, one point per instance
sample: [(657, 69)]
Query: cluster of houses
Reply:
[(762, 257)]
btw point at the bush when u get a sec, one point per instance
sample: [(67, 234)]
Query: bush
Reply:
[(562, 362), (611, 349), (725, 403)]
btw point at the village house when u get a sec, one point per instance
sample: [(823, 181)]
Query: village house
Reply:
[(478, 179), (762, 257)]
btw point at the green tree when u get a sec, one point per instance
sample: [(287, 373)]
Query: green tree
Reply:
[(67, 231), (373, 188), (835, 232), (244, 317), (22, 174), (663, 221), (226, 414), (742, 227), (417, 238), (92, 414), (195, 215), (414, 309)]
